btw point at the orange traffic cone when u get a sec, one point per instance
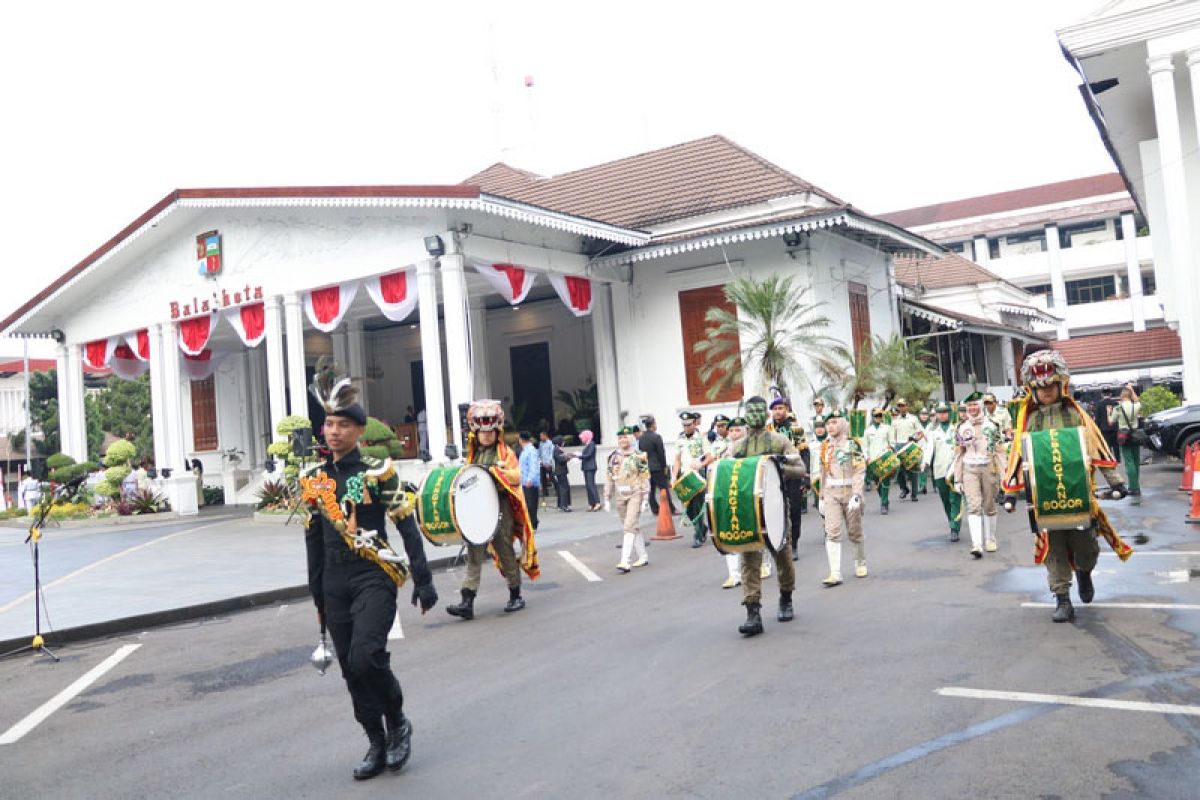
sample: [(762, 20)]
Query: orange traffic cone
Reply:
[(1194, 514), (666, 525), (1189, 461)]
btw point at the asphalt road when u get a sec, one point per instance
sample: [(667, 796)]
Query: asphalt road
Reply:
[(639, 686)]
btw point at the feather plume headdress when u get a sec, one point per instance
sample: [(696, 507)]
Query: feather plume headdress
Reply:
[(336, 393)]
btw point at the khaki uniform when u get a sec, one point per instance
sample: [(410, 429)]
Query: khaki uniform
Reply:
[(980, 462), (843, 475), (760, 443), (629, 481), (502, 542)]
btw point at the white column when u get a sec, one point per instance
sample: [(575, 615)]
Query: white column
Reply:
[(74, 442), (356, 359), (1133, 270), (982, 253), (62, 375), (606, 362), (157, 390), (431, 357), (1058, 286), (181, 486), (255, 448), (276, 381), (1006, 358), (458, 353), (1166, 116), (341, 352), (481, 377), (629, 379), (245, 406), (297, 381)]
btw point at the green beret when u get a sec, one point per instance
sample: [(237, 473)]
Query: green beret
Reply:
[(942, 407), (973, 397), (738, 421), (836, 413), (627, 430)]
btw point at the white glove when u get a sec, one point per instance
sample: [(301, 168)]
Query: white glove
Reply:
[(1117, 493), (607, 505), (821, 507), (855, 503)]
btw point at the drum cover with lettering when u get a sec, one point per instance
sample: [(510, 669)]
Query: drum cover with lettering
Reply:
[(435, 509), (1059, 478), (476, 504), (734, 505), (773, 513), (689, 485)]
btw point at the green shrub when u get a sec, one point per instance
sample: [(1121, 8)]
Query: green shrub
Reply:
[(69, 472), (280, 449), (12, 512), (291, 423), (1158, 398), (376, 431), (58, 461), (214, 495), (375, 451), (70, 511), (272, 494), (119, 452), (395, 449), (147, 502), (107, 488)]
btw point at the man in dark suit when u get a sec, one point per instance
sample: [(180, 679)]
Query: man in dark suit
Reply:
[(656, 459)]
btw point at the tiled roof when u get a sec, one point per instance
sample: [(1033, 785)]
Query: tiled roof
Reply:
[(684, 180), (1033, 196), (942, 273), (1125, 349)]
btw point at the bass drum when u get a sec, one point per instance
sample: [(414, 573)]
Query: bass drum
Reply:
[(458, 503), (746, 509)]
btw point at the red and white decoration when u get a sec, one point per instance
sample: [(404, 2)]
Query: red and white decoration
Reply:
[(511, 281), (125, 362), (326, 307), (250, 322), (97, 354), (201, 366), (575, 292), (394, 293), (139, 344), (194, 333)]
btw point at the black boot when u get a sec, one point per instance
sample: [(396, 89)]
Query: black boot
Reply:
[(753, 624), (515, 601), (398, 744), (373, 762), (1087, 590), (1064, 612), (465, 609), (785, 607), (883, 509), (953, 535)]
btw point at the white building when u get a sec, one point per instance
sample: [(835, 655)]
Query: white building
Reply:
[(1140, 65), (509, 285)]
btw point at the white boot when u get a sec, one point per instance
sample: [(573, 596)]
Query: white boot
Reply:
[(989, 533), (626, 553), (734, 565), (833, 550), (860, 559), (639, 548), (975, 524)]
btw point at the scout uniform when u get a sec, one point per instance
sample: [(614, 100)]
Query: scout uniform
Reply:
[(941, 448), (876, 442), (999, 416), (720, 446), (922, 474), (761, 442), (977, 471), (690, 452), (843, 474), (906, 428), (629, 481), (1075, 547), (819, 436)]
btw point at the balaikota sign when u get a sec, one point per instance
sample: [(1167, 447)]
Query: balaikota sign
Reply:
[(223, 298)]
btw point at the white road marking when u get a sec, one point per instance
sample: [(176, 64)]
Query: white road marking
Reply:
[(579, 566), (1069, 700), (29, 595), (1158, 606), (59, 700), (397, 631)]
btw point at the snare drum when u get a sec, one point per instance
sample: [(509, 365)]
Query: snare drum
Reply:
[(884, 467), (689, 486), (458, 502), (910, 456), (746, 506)]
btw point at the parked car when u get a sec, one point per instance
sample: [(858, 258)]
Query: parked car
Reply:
[(1174, 430)]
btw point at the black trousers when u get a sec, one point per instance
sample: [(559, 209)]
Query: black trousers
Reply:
[(360, 605), (548, 482), (564, 490), (659, 480), (589, 483), (531, 503)]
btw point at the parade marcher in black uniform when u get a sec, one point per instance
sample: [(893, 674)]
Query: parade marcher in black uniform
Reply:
[(651, 443), (795, 490), (348, 496)]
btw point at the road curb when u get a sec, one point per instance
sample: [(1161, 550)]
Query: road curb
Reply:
[(171, 616)]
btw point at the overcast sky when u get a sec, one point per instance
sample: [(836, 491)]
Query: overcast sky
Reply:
[(110, 106)]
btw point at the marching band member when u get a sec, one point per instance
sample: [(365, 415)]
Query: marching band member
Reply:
[(628, 479), (733, 561), (999, 416), (922, 473), (1049, 407), (486, 447), (939, 457), (877, 442), (977, 470), (348, 495), (691, 450), (906, 428), (795, 492), (843, 475), (761, 442)]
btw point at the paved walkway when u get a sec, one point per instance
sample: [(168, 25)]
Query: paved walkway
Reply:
[(101, 579)]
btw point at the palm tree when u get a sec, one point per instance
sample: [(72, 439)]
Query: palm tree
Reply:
[(780, 328), (901, 369)]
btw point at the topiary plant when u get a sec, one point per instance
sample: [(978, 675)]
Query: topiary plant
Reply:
[(58, 461), (1158, 398), (119, 452), (292, 423), (379, 441)]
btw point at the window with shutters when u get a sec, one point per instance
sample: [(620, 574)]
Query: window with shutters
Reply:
[(860, 318), (693, 306), (204, 415)]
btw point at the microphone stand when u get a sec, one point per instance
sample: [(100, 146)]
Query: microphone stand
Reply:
[(38, 644)]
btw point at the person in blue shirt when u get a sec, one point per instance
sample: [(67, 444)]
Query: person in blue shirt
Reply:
[(530, 463), (546, 456)]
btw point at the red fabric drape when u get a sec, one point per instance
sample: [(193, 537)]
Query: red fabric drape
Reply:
[(96, 353), (254, 320), (581, 292), (515, 275), (394, 287), (326, 303), (194, 333)]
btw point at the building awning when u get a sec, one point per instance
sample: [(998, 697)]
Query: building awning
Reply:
[(958, 321), (1032, 312)]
